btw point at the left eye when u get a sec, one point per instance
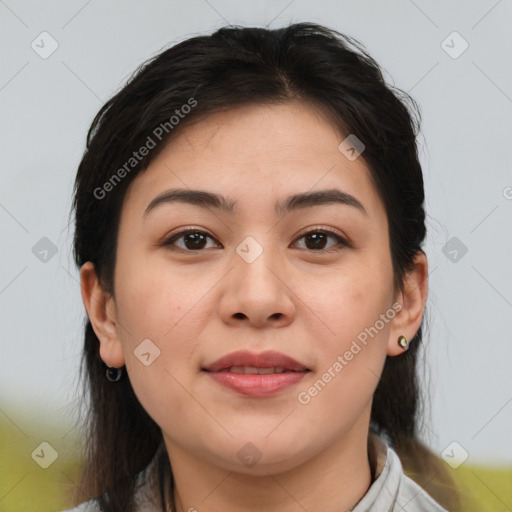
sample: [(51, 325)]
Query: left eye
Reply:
[(195, 240), (319, 237)]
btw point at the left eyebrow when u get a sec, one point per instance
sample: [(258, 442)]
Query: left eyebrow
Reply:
[(322, 197), (205, 199)]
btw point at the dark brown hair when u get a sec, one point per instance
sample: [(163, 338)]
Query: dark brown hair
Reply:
[(232, 67)]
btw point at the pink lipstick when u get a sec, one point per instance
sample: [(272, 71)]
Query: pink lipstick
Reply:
[(256, 374)]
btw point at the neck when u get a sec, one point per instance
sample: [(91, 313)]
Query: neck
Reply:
[(335, 479)]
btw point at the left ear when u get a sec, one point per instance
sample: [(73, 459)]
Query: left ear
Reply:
[(413, 297)]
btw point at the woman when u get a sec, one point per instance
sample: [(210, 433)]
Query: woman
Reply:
[(249, 221)]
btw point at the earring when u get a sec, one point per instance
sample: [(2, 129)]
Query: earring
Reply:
[(114, 374), (402, 341)]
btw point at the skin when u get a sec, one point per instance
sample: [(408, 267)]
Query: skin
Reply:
[(307, 303)]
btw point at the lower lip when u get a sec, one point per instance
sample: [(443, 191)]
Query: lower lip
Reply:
[(257, 385)]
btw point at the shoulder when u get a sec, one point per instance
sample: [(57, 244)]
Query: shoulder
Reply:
[(410, 497), (393, 490), (146, 497), (88, 506)]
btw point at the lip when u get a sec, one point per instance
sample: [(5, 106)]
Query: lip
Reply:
[(256, 385), (258, 360)]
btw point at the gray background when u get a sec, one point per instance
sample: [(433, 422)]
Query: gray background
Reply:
[(48, 104)]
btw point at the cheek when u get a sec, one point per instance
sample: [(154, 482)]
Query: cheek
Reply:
[(351, 339), (348, 301), (156, 303), (152, 305), (350, 347)]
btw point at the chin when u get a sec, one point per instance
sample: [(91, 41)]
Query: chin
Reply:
[(260, 456)]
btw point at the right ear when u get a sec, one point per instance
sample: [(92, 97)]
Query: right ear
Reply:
[(101, 310)]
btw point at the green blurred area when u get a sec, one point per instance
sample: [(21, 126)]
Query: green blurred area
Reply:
[(24, 484), (26, 487), (484, 489)]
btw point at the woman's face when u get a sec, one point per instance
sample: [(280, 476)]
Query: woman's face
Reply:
[(254, 278)]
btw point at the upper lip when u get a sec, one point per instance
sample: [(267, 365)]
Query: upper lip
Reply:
[(267, 359)]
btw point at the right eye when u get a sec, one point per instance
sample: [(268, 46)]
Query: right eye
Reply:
[(193, 240)]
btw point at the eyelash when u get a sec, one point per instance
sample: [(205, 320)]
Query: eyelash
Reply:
[(341, 241)]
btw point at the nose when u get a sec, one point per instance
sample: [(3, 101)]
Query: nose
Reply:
[(258, 293)]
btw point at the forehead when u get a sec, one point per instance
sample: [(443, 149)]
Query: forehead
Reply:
[(256, 155)]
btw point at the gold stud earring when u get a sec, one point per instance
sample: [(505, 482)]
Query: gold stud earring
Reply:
[(402, 341)]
